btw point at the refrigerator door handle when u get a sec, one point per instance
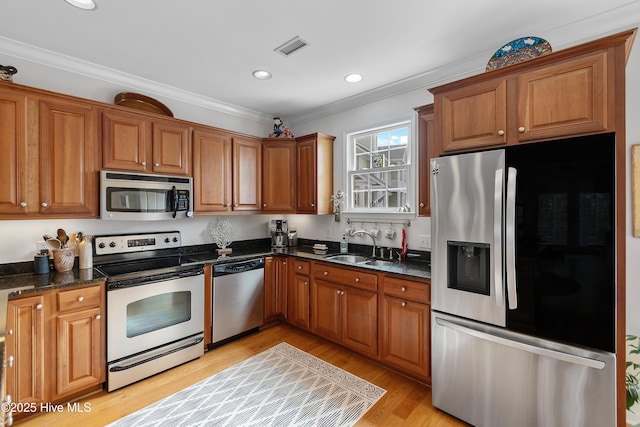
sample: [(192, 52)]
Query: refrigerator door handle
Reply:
[(510, 239), (497, 236), (555, 354)]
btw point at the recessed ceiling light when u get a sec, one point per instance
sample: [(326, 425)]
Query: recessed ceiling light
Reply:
[(82, 4), (261, 74), (353, 78)]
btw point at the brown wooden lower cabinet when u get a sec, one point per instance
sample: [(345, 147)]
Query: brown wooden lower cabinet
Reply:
[(55, 342), (390, 323), (343, 313)]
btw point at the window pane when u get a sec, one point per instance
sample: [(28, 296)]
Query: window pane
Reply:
[(379, 168)]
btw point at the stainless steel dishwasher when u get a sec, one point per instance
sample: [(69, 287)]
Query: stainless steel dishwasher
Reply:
[(238, 300)]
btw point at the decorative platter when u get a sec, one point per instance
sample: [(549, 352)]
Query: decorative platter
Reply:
[(142, 102), (518, 50)]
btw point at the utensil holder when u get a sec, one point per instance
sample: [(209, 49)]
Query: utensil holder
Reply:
[(63, 259)]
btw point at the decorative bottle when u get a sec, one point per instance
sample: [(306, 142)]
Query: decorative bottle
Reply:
[(85, 253)]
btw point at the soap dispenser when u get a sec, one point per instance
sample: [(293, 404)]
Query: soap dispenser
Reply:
[(344, 248)]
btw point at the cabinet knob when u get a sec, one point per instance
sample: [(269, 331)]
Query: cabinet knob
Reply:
[(313, 205), (23, 204), (10, 361), (326, 273), (156, 164), (264, 205), (98, 317), (341, 292), (45, 205), (306, 283), (500, 132), (10, 332), (403, 289), (357, 279), (421, 204), (144, 163), (80, 299), (299, 267), (521, 129), (236, 205), (38, 306), (338, 292), (404, 304), (284, 263)]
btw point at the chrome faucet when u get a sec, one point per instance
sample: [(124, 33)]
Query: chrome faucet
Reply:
[(373, 239)]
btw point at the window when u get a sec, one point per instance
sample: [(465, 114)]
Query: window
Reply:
[(378, 169)]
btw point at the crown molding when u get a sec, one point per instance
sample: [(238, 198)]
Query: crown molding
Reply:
[(51, 59)]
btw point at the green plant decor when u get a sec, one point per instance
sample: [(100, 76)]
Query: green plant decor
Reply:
[(632, 381)]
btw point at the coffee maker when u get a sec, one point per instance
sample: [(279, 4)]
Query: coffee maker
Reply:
[(279, 230)]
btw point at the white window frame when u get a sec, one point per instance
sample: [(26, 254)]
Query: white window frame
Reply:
[(349, 169)]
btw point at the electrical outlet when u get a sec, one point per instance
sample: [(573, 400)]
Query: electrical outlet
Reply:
[(425, 241), (41, 245)]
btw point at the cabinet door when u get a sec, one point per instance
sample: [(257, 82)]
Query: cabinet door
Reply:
[(306, 176), (563, 99), (360, 320), (425, 153), (406, 339), (473, 116), (69, 158), (275, 294), (298, 308), (126, 141), (25, 344), (14, 161), (79, 364), (211, 172), (326, 318), (314, 166), (171, 148), (278, 176), (247, 174)]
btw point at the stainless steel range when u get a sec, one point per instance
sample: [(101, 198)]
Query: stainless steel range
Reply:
[(155, 305)]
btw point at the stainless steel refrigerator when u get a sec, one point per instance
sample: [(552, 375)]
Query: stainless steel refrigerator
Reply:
[(523, 284)]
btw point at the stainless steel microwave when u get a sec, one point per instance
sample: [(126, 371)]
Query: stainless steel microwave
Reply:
[(144, 197)]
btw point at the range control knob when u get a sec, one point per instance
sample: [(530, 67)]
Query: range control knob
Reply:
[(175, 240), (112, 244), (102, 245), (166, 240)]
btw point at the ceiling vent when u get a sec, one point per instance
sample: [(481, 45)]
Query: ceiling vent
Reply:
[(292, 46)]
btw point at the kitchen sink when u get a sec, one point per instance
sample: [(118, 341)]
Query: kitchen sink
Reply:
[(350, 258), (379, 262)]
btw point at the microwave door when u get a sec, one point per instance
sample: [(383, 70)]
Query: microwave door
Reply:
[(468, 199)]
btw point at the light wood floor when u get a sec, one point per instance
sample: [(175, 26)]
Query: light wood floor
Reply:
[(405, 403)]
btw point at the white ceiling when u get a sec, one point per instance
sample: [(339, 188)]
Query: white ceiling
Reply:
[(209, 48)]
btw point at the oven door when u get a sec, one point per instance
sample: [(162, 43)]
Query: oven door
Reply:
[(144, 317)]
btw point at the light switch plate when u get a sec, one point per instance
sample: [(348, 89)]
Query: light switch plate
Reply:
[(424, 242)]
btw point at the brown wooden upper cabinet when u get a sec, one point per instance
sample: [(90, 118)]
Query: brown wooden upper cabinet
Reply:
[(425, 153), (50, 156), (557, 95), (314, 173), (142, 143), (278, 175), (212, 176), (247, 174)]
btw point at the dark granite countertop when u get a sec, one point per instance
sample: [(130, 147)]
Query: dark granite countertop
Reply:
[(418, 269)]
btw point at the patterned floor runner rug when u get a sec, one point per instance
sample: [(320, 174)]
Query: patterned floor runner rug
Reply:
[(282, 386)]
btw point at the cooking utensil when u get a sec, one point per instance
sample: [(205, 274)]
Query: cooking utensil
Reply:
[(53, 243), (62, 236)]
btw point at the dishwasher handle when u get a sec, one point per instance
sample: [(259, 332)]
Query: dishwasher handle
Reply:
[(237, 267)]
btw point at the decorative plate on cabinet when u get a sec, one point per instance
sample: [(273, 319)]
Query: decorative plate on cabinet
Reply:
[(142, 102), (518, 50)]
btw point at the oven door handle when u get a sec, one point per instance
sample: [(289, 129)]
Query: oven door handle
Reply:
[(195, 341)]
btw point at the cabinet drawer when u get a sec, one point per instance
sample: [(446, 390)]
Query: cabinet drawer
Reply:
[(75, 299), (413, 290), (343, 276), (301, 267)]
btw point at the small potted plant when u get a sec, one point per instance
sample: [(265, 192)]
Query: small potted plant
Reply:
[(632, 381), (337, 200)]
